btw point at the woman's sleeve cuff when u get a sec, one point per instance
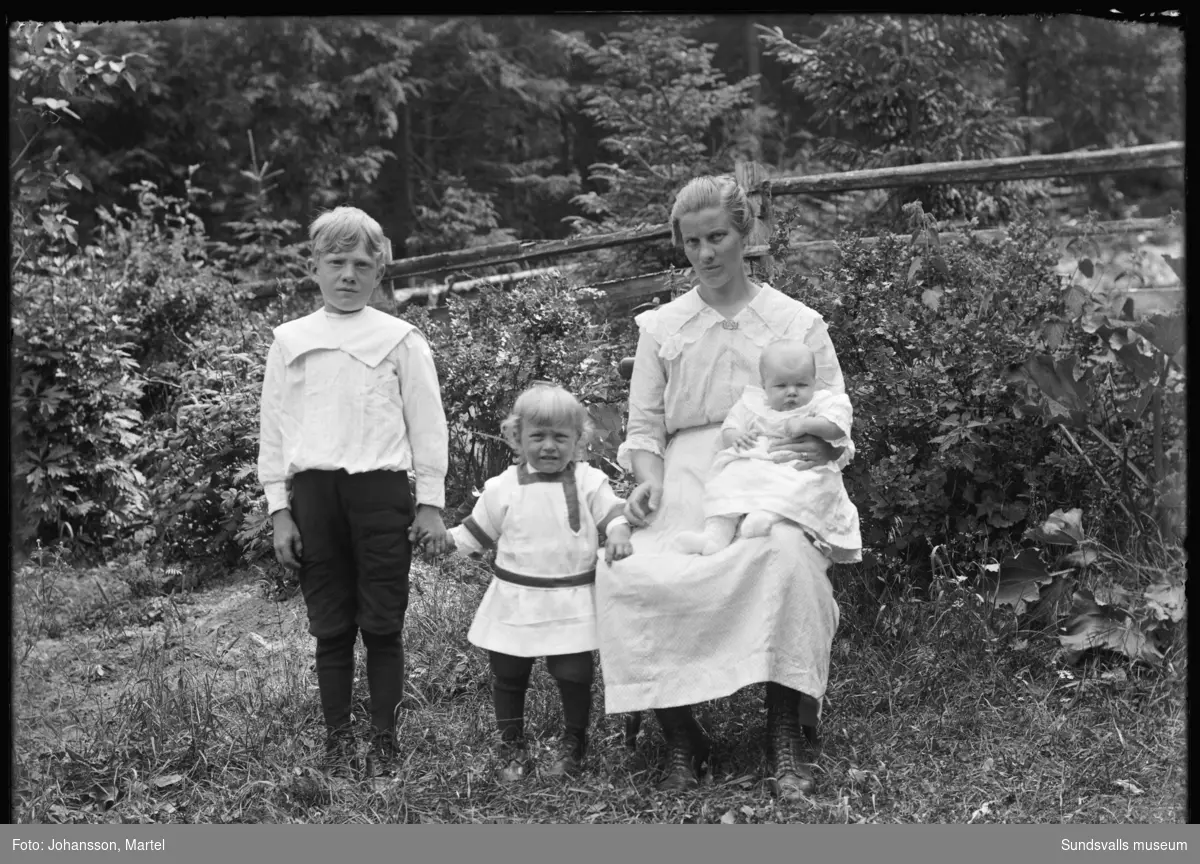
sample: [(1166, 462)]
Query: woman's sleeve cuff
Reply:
[(636, 442)]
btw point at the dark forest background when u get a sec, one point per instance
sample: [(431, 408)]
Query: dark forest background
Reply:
[(458, 131)]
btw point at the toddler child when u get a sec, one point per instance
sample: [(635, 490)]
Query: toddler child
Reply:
[(542, 516), (350, 405), (749, 486)]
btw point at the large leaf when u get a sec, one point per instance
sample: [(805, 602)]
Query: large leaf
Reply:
[(1016, 582), (1062, 398), (1139, 364), (1165, 332), (1110, 628), (1167, 600), (1063, 528)]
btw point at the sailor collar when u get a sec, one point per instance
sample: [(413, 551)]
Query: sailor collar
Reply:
[(368, 335)]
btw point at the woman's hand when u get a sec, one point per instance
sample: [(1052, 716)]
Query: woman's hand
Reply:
[(642, 505), (807, 451)]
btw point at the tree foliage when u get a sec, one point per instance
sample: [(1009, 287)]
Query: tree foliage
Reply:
[(668, 114)]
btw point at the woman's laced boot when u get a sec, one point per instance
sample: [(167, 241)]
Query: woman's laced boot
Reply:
[(791, 777), (687, 749)]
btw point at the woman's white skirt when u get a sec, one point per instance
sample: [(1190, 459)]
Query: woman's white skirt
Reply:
[(679, 629)]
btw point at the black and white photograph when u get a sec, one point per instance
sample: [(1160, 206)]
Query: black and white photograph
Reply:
[(579, 419)]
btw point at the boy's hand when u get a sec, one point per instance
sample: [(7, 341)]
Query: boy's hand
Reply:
[(289, 549), (429, 531), (745, 441), (617, 543)]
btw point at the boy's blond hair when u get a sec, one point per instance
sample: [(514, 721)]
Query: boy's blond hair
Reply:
[(706, 191), (546, 404), (343, 228)]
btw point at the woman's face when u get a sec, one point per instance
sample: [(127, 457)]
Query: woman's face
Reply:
[(713, 247)]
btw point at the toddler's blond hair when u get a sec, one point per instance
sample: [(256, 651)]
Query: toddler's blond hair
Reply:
[(546, 404)]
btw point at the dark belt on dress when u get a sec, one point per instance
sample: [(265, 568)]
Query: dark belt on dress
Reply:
[(575, 581)]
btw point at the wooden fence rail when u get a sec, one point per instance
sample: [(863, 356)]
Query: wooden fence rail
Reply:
[(1169, 155), (649, 284)]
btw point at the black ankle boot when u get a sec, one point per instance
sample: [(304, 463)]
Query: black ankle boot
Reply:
[(791, 776), (688, 749)]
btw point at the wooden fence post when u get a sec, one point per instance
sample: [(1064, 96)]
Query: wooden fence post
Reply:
[(753, 177)]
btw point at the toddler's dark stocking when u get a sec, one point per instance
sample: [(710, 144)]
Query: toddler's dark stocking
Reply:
[(385, 677), (335, 677), (510, 680), (574, 673)]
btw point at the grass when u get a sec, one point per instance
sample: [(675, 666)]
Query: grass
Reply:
[(131, 706)]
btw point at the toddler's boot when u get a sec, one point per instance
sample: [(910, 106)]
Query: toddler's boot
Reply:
[(513, 762), (571, 749)]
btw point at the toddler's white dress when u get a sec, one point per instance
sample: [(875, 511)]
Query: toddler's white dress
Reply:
[(542, 598)]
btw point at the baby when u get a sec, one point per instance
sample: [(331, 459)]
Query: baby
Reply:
[(749, 486)]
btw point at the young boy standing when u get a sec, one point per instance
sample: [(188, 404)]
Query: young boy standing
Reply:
[(350, 405)]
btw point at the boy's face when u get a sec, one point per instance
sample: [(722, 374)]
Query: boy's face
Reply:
[(347, 279), (548, 448), (788, 380)]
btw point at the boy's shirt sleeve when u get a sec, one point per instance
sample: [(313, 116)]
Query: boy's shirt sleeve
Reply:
[(481, 530), (603, 503), (272, 472), (424, 418)]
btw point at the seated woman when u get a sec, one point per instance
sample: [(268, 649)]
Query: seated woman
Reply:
[(677, 629)]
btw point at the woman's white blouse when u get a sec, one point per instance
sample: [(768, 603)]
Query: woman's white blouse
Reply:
[(691, 366)]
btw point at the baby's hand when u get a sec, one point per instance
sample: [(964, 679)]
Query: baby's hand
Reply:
[(617, 543), (745, 441), (795, 427)]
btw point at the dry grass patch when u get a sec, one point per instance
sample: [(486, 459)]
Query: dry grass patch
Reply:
[(202, 707)]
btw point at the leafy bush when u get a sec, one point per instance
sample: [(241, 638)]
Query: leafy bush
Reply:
[(955, 355), (494, 347), (201, 454), (76, 422), (924, 334)]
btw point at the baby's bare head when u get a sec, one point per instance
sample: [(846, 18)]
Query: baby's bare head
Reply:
[(787, 354), (788, 369)]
